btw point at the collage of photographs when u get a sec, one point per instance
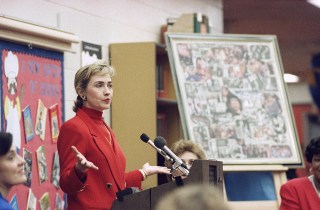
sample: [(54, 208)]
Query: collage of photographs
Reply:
[(235, 101)]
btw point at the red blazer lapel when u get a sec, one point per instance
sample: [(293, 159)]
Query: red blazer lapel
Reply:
[(106, 149)]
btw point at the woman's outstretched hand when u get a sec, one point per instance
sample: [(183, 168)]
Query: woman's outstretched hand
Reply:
[(82, 164), (150, 170)]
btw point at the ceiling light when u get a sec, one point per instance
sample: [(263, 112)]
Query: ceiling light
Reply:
[(291, 78), (314, 2)]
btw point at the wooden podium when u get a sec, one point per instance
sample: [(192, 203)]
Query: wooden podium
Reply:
[(202, 171)]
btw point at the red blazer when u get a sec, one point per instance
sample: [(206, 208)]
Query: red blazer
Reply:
[(299, 194), (100, 187)]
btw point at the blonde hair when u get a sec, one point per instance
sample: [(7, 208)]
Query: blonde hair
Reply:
[(84, 74), (193, 197), (182, 146)]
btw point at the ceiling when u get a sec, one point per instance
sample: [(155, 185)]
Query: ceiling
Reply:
[(296, 24)]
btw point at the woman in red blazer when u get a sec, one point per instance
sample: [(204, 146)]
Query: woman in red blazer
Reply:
[(304, 193), (92, 165)]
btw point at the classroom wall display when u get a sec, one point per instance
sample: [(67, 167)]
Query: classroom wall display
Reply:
[(232, 97), (32, 83)]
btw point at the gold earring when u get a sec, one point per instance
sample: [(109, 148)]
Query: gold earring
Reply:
[(84, 98)]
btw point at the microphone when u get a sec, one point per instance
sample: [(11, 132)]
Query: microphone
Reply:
[(160, 142), (128, 191), (145, 138)]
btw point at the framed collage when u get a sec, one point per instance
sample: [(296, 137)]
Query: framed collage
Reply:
[(232, 97)]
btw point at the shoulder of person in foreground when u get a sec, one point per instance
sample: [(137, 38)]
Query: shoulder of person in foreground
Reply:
[(193, 197), (292, 190), (296, 182)]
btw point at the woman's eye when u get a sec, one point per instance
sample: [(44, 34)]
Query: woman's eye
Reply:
[(10, 157)]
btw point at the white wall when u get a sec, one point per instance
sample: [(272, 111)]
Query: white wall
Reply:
[(106, 21), (109, 21)]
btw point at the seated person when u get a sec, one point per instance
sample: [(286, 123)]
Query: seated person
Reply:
[(188, 151), (304, 193)]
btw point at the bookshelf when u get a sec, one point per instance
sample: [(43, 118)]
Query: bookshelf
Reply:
[(168, 118), (167, 107)]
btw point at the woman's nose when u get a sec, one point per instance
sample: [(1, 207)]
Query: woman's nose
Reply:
[(107, 91), (21, 160)]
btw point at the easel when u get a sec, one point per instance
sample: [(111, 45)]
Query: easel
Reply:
[(279, 178)]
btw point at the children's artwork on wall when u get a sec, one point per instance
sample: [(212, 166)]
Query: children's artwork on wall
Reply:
[(32, 201), (14, 202), (27, 122), (55, 170), (30, 78), (12, 109), (45, 201), (40, 128), (27, 155), (42, 164), (54, 122), (232, 97), (59, 202)]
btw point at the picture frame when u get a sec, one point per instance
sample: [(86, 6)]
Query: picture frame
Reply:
[(232, 97), (54, 122)]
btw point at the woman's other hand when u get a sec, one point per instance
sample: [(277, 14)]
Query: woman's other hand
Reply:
[(82, 164), (150, 170)]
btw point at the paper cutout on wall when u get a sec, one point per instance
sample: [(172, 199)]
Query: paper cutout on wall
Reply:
[(40, 128)]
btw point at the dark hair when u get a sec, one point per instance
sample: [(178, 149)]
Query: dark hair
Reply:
[(232, 96), (5, 142), (313, 148)]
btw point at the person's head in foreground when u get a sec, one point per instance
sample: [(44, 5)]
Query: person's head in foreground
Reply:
[(11, 165), (193, 197)]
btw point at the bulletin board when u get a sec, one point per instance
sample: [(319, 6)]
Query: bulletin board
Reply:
[(233, 99), (32, 110)]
